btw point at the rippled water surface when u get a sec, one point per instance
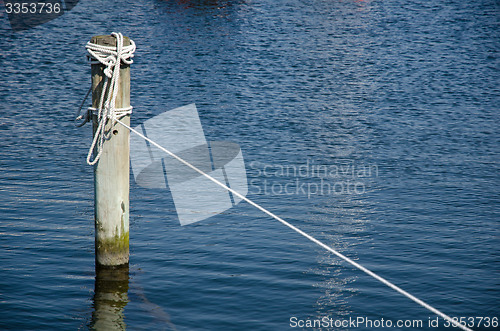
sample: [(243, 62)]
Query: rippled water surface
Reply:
[(372, 125)]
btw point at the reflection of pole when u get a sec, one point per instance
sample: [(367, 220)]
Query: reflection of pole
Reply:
[(110, 298)]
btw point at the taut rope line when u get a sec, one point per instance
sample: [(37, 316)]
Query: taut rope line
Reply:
[(311, 238)]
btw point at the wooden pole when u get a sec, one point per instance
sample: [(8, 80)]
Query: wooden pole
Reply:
[(111, 172)]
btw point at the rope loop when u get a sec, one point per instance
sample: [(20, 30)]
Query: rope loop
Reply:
[(111, 58)]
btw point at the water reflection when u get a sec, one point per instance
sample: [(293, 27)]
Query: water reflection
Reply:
[(110, 298)]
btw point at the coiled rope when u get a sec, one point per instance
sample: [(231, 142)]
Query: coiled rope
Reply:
[(111, 58)]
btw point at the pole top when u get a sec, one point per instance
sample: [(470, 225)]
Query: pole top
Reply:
[(106, 40)]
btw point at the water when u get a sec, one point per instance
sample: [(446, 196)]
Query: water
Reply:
[(405, 92)]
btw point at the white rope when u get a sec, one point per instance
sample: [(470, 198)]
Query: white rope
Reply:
[(311, 238), (82, 118), (111, 57)]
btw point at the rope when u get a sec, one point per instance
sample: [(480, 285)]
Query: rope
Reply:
[(111, 57), (311, 238)]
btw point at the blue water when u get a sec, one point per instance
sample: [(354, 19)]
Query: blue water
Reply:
[(404, 93)]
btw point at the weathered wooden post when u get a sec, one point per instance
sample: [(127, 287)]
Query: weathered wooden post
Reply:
[(111, 172)]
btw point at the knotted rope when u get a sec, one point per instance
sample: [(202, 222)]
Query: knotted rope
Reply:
[(111, 57)]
